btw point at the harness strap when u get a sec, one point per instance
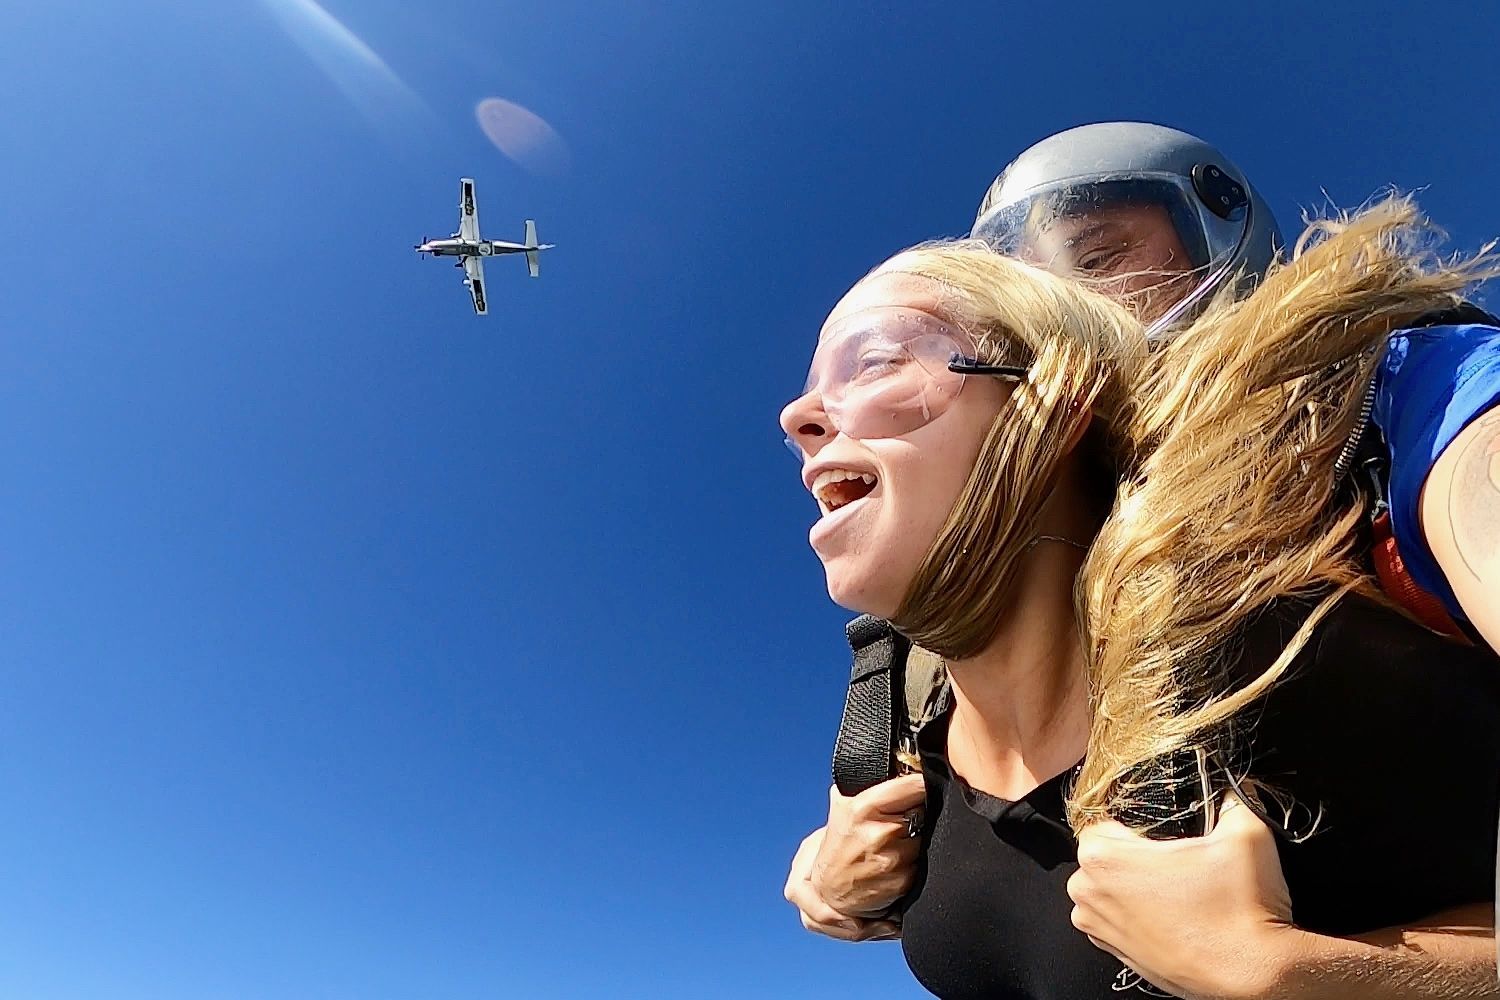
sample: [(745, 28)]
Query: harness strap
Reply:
[(1390, 569), (1397, 582), (865, 752)]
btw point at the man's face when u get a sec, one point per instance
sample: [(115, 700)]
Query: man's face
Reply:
[(1132, 253)]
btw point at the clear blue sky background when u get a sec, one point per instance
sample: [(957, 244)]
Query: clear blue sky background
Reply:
[(358, 647)]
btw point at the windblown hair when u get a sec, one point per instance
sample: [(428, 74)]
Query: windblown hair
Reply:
[(1078, 347), (1224, 444)]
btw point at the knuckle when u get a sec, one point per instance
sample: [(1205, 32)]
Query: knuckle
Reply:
[(842, 930), (838, 893), (1244, 835), (830, 854), (820, 918)]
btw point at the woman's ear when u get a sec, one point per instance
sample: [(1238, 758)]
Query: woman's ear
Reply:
[(1080, 427)]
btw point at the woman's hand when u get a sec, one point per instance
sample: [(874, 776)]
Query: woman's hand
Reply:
[(846, 876), (1204, 917)]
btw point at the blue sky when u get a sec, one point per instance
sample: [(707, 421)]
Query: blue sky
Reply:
[(358, 647)]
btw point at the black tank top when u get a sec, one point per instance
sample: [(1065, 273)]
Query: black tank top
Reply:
[(1393, 731)]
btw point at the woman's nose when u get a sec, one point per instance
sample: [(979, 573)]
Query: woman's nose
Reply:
[(806, 424)]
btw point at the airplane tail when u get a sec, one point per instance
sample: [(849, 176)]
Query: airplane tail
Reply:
[(533, 259)]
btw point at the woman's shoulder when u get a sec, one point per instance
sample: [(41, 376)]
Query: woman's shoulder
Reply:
[(1364, 660), (1358, 631), (1383, 741)]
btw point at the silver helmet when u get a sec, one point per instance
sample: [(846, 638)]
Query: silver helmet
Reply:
[(1225, 225)]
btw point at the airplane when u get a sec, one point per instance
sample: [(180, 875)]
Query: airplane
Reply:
[(471, 250)]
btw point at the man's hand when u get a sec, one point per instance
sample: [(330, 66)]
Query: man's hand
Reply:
[(846, 876), (1204, 917)]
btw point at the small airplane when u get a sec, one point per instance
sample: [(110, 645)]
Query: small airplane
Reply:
[(471, 250)]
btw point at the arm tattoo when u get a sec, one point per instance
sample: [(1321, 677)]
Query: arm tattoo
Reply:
[(1474, 499)]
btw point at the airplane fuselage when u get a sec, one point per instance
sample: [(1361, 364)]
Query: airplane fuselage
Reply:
[(471, 248)]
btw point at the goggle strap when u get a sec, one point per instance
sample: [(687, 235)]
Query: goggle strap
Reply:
[(961, 365)]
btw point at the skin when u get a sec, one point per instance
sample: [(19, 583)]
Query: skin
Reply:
[(1020, 717), (871, 548), (1460, 511), (1026, 689), (1132, 253), (870, 862), (1130, 895)]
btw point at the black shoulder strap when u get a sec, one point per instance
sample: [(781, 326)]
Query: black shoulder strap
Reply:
[(864, 753), (1463, 313)]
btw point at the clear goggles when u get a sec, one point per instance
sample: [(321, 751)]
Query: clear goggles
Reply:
[(885, 372), (1074, 226)]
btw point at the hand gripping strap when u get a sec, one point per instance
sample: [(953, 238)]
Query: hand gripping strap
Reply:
[(864, 753)]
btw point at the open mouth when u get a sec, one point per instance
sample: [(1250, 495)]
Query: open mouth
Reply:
[(835, 488)]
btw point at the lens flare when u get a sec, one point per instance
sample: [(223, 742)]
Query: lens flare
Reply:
[(352, 66), (523, 136)]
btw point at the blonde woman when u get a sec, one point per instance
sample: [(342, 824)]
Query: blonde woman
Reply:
[(1148, 595)]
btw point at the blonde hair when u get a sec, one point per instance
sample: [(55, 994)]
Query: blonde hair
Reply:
[(1225, 442), (1077, 346)]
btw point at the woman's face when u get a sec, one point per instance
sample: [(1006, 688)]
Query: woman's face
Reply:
[(883, 500)]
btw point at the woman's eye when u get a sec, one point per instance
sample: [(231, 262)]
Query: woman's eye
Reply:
[(874, 364)]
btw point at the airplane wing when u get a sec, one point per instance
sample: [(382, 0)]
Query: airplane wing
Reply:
[(474, 268), (468, 211)]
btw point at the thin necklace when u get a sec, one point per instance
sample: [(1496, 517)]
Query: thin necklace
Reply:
[(1055, 538)]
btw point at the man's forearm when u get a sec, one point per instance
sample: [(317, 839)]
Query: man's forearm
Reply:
[(1450, 957)]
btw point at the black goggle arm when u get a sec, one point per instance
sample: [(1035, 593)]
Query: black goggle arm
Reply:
[(961, 365)]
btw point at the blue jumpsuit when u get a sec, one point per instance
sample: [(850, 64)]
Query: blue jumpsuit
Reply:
[(1433, 382)]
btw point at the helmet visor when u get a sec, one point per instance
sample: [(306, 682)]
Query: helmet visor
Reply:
[(1102, 227)]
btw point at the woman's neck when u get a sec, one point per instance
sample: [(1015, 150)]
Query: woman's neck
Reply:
[(1020, 711)]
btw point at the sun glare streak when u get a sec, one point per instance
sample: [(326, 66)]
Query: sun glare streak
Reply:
[(523, 136), (352, 66)]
